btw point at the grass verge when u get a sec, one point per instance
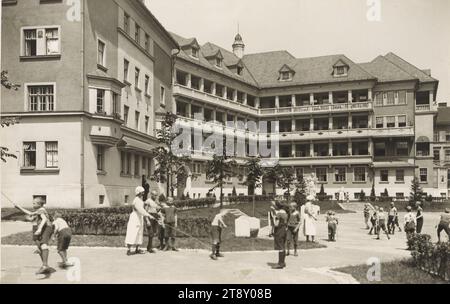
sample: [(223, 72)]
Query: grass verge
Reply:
[(396, 272)]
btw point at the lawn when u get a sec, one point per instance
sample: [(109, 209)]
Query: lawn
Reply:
[(397, 272), (230, 243)]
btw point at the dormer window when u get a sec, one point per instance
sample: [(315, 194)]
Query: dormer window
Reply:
[(194, 52), (219, 62), (285, 76), (239, 70), (340, 69)]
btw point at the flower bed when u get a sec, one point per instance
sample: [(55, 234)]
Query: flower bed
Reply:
[(432, 258)]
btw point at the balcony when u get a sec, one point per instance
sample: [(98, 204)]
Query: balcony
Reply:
[(326, 108), (425, 108), (213, 127), (179, 90), (327, 160), (318, 135)]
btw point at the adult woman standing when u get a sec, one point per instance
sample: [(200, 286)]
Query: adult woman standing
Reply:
[(135, 227), (419, 218), (280, 234), (309, 228)]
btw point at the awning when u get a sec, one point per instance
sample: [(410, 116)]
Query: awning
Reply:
[(135, 145), (393, 164), (423, 139)]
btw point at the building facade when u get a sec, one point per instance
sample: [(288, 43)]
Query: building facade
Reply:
[(441, 151), (353, 125), (94, 78)]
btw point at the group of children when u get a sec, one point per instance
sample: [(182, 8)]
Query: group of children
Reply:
[(158, 217), (44, 227)]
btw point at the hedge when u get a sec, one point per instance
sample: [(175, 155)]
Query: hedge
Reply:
[(431, 258), (110, 223)]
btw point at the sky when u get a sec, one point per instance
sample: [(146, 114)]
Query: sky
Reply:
[(416, 30)]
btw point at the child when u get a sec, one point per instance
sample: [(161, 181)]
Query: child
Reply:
[(216, 234), (64, 235), (333, 222), (444, 224), (170, 224), (367, 215), (382, 224), (42, 231), (410, 222), (373, 221), (293, 228), (279, 233)]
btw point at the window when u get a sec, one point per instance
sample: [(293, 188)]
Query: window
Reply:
[(436, 155), (402, 97), (360, 174), (100, 158), (379, 99), (126, 199), (116, 103), (163, 95), (384, 176), (390, 98), (447, 155), (147, 42), (147, 123), (380, 149), (321, 174), (340, 175), (285, 76), (379, 122), (147, 84), (137, 75), (126, 66), (126, 110), (400, 176), (137, 33), (101, 53), (423, 175), (239, 70), (340, 71), (29, 154), (126, 23), (100, 101), (194, 52), (390, 122), (51, 154), (123, 162), (402, 121), (101, 199), (136, 119), (400, 195), (218, 62), (41, 98), (402, 148), (41, 42)]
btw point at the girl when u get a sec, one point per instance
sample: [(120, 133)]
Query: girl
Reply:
[(42, 231), (135, 227)]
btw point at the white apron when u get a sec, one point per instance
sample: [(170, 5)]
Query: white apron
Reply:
[(309, 227), (135, 227)]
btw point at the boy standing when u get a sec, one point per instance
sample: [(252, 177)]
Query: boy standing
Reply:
[(366, 215), (333, 222), (410, 222), (152, 223), (216, 234), (64, 235), (382, 223), (170, 224), (392, 218), (293, 228)]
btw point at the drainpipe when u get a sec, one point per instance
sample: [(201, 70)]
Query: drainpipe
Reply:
[(83, 73)]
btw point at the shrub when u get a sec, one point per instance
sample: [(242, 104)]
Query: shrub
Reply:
[(322, 196), (434, 259), (362, 196), (373, 195)]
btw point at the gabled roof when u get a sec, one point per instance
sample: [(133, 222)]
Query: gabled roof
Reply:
[(386, 71), (409, 68), (286, 68), (443, 117), (340, 63)]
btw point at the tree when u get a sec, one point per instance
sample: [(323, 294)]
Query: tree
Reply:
[(219, 169), (171, 167), (271, 175), (322, 195), (373, 195), (362, 196), (6, 122), (255, 173), (416, 194), (286, 180), (300, 192)]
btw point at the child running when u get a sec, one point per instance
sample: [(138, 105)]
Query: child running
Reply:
[(63, 233), (42, 231)]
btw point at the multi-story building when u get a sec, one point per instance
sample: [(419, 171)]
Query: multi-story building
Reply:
[(441, 151), (352, 125), (93, 75)]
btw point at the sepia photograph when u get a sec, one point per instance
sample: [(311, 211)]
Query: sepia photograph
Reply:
[(219, 142)]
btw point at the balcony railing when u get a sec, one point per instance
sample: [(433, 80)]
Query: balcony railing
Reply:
[(327, 108), (426, 108)]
